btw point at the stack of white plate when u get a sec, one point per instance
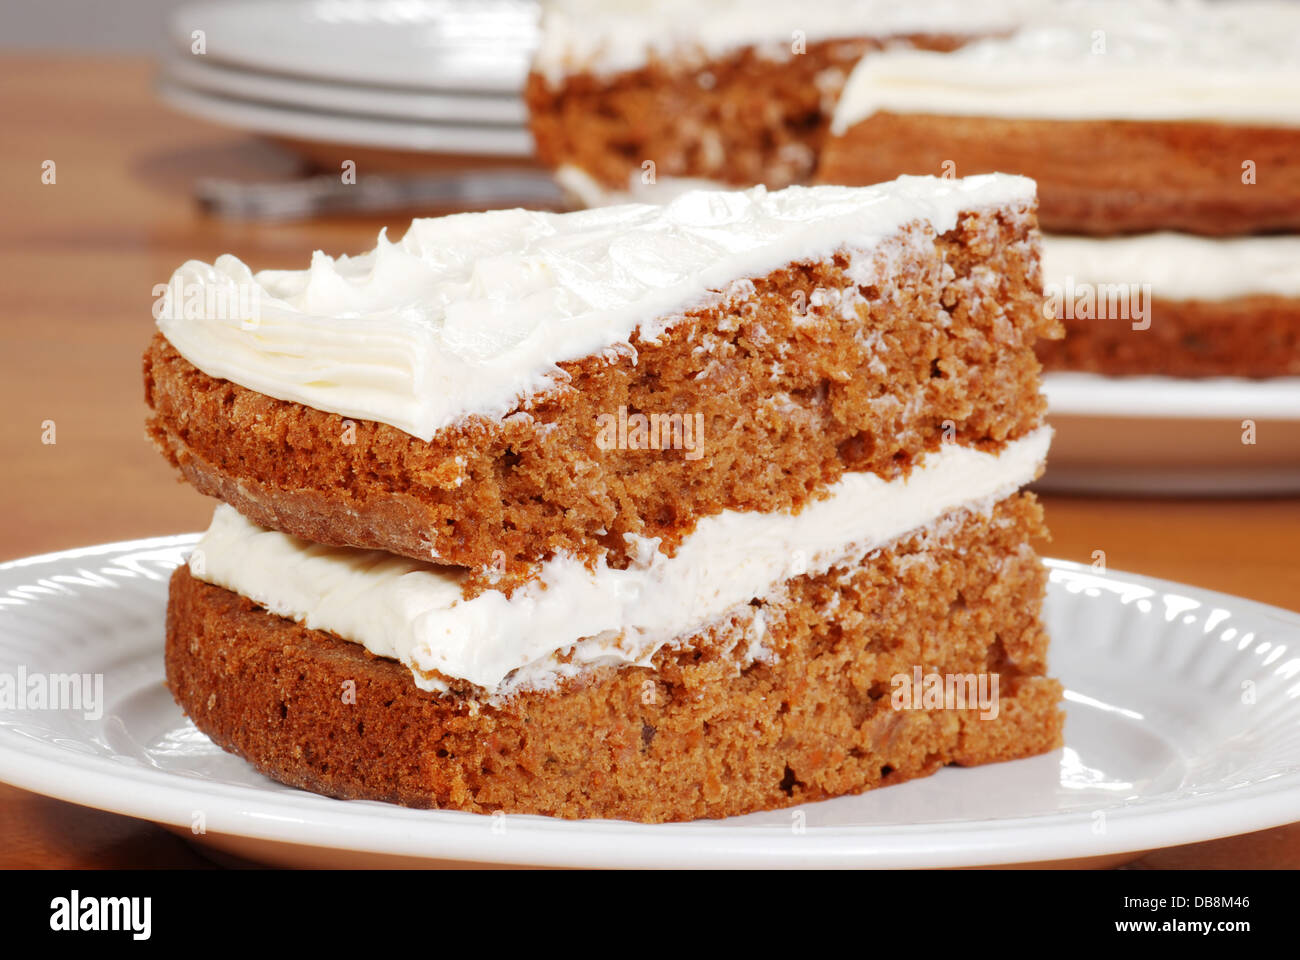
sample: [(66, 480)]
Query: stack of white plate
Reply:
[(437, 76)]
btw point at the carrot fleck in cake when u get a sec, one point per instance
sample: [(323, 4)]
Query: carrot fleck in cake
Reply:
[(628, 98), (647, 512)]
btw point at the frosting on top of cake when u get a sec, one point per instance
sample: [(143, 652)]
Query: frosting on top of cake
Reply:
[(1233, 62), (611, 36), (470, 314), (415, 613), (1178, 266)]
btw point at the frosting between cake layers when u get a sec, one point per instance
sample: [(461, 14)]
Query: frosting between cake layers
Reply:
[(470, 314), (1235, 63), (415, 612), (1178, 266), (612, 36)]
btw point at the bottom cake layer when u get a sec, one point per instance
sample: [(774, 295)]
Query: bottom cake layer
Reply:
[(804, 695)]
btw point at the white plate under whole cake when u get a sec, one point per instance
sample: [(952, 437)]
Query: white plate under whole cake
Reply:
[(1173, 436), (1183, 725)]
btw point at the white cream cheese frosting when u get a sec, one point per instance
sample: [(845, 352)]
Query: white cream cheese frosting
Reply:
[(470, 314), (415, 612), (1236, 63), (611, 36), (1178, 266)]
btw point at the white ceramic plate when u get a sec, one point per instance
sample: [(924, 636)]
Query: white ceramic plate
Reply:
[(1162, 435), (205, 76), (482, 45), (352, 129), (1184, 725)]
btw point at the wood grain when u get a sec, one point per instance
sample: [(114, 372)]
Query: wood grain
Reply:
[(81, 258)]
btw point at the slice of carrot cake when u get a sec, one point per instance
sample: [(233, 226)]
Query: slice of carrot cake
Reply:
[(626, 99), (646, 512)]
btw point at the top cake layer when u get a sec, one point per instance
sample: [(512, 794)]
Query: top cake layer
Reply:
[(1236, 63), (469, 314), (611, 36)]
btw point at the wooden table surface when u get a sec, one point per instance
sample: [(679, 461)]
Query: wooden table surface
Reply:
[(81, 257)]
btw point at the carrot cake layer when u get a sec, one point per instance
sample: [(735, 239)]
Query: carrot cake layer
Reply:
[(922, 651), (496, 389), (1174, 304), (1131, 116), (626, 97)]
